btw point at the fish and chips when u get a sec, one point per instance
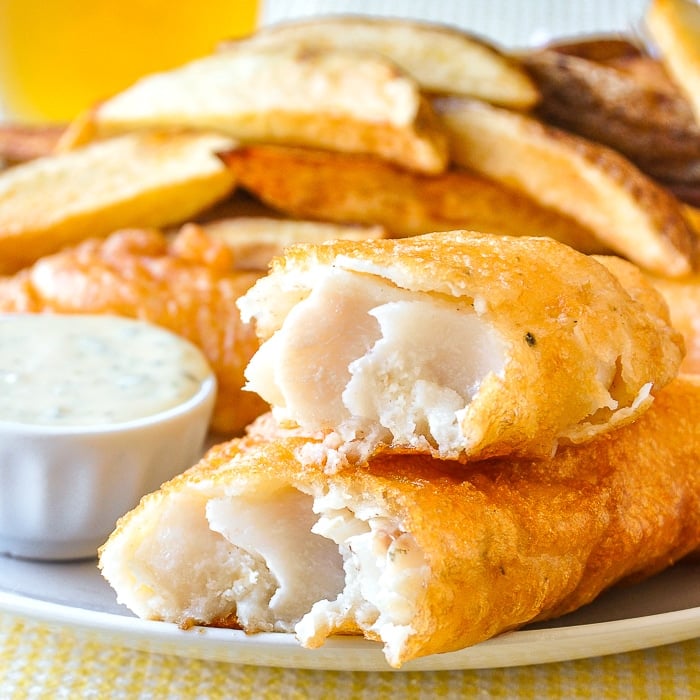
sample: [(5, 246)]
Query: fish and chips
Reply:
[(458, 433)]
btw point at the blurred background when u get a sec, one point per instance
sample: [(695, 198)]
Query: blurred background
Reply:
[(512, 23), (58, 56)]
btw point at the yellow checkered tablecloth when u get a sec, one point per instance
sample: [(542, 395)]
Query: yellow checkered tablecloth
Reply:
[(37, 661)]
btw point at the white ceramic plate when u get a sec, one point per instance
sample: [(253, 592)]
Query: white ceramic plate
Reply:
[(659, 611)]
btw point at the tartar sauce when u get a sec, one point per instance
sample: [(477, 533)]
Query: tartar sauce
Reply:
[(92, 370)]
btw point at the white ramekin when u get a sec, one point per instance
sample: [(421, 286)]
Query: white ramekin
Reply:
[(62, 489)]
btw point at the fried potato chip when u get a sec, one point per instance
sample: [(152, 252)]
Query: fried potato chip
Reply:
[(255, 240), (145, 179), (674, 26), (364, 190), (442, 59), (340, 100), (591, 183)]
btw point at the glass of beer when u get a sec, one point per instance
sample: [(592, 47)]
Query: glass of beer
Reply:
[(59, 57)]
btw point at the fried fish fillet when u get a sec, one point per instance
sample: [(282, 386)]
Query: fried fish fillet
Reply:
[(462, 344), (145, 179), (441, 58), (589, 182), (188, 287), (345, 187), (336, 99), (406, 549)]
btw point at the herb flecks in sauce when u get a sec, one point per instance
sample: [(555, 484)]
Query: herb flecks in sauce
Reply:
[(92, 370)]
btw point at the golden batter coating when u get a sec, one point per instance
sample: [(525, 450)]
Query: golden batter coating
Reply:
[(461, 344), (407, 549), (187, 287)]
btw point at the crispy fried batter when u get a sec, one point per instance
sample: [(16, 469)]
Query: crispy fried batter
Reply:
[(463, 555), (468, 345)]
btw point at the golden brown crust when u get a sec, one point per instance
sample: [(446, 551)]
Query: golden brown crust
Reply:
[(507, 541), (361, 189), (576, 339), (188, 288)]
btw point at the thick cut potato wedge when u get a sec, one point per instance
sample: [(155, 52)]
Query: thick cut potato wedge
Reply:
[(145, 179), (683, 299), (615, 107), (590, 183), (442, 59), (255, 240), (364, 190), (340, 100), (674, 25)]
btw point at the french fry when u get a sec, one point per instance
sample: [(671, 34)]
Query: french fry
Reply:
[(364, 190), (255, 240), (340, 100), (592, 184), (442, 59), (674, 26), (145, 179)]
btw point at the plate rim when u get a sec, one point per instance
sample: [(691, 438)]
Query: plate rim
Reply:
[(521, 647)]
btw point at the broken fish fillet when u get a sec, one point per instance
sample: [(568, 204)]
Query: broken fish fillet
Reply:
[(406, 549), (462, 344)]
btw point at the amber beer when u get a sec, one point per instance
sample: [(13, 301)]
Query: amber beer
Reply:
[(57, 57)]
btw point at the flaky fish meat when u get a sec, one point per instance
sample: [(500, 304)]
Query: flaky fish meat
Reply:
[(406, 549), (460, 344)]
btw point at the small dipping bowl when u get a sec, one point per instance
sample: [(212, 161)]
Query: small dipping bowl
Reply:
[(80, 442)]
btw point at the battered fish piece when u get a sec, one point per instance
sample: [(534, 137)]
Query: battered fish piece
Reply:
[(188, 287), (460, 344), (406, 549)]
